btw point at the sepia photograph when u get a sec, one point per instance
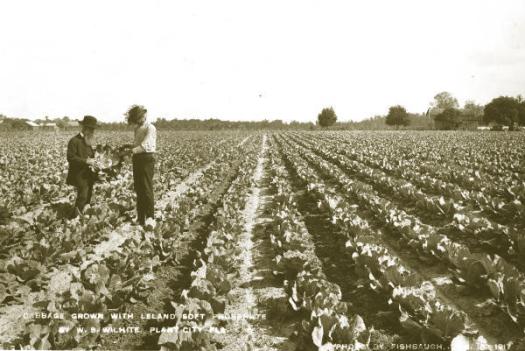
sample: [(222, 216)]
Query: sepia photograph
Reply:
[(262, 175)]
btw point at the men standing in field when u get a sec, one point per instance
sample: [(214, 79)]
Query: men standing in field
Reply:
[(144, 148), (80, 157)]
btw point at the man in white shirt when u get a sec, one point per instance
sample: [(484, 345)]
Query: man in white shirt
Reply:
[(144, 148)]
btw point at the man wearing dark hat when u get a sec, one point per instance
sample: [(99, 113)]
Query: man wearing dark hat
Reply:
[(80, 157)]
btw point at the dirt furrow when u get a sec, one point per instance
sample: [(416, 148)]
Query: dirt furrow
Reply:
[(255, 285)]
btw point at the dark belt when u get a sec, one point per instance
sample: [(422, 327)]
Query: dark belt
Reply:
[(144, 154)]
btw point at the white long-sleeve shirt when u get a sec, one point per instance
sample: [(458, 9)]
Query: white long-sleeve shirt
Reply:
[(145, 138)]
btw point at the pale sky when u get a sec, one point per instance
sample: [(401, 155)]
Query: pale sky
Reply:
[(250, 60)]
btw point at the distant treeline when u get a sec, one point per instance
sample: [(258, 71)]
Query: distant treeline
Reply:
[(444, 113), (164, 124), (378, 122), (416, 122), (217, 124)]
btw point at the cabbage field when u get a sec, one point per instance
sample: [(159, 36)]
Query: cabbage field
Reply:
[(295, 240)]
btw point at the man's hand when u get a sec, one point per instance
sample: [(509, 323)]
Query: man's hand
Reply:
[(125, 150), (92, 163)]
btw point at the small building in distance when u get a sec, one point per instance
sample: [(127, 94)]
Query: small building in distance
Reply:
[(42, 126), (49, 126), (32, 125)]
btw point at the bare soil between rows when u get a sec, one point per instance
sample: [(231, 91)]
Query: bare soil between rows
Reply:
[(273, 332)]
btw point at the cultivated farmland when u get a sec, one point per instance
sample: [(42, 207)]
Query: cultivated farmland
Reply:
[(269, 241)]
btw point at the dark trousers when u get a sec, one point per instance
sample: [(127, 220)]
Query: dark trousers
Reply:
[(84, 192), (143, 169)]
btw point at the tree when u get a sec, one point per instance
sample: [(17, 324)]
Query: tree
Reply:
[(503, 110), (473, 110), (448, 119), (62, 122), (471, 114), (327, 117), (17, 123), (441, 102), (521, 110), (397, 116)]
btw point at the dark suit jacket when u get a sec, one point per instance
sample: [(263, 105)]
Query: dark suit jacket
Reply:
[(78, 152)]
